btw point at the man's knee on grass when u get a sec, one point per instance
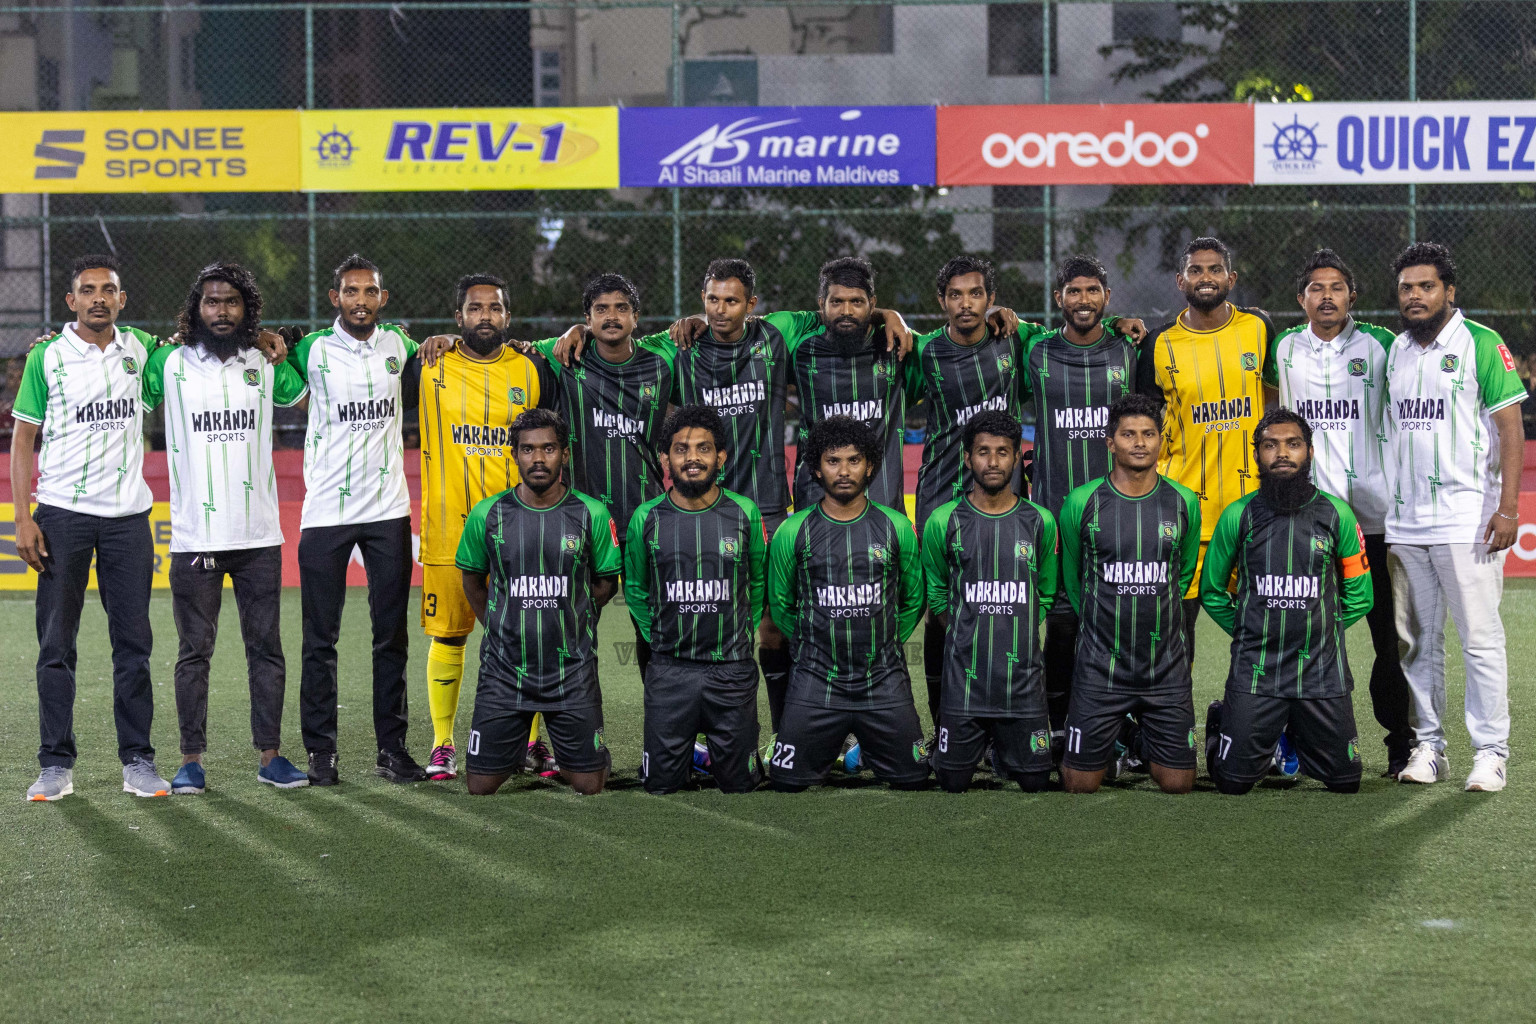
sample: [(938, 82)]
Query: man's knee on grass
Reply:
[(1352, 786), (1232, 788), (1173, 780), (586, 783), (485, 785), (1033, 782), (952, 780), (1075, 781)]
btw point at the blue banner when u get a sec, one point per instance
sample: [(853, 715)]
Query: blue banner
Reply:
[(776, 147)]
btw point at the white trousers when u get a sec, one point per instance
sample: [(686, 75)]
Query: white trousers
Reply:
[(1468, 582)]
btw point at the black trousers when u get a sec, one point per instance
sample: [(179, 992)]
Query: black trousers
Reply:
[(323, 555), (1390, 701), (125, 565), (197, 591)]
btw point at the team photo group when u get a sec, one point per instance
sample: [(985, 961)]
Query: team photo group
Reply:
[(1286, 483)]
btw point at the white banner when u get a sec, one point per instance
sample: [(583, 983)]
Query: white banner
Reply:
[(1381, 143)]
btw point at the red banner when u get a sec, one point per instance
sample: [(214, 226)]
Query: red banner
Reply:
[(1121, 144)]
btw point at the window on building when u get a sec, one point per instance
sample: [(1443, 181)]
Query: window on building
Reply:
[(1146, 21), (546, 78), (1014, 43)]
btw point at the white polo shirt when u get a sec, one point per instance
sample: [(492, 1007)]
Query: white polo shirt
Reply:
[(1443, 451), (354, 454), (88, 402), (218, 440), (1340, 387)]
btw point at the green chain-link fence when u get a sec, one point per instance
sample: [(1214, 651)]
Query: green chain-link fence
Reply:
[(638, 52)]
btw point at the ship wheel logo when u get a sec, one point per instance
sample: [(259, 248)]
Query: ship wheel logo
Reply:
[(335, 148), (1296, 142)]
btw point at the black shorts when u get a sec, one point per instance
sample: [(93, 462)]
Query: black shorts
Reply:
[(1323, 731), (685, 698), (498, 740), (1019, 745), (1095, 719), (811, 738)]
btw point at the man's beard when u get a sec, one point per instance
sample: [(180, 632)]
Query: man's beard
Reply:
[(846, 336), (1428, 330), (223, 347), (1288, 493), (481, 345), (693, 489), (1203, 304)]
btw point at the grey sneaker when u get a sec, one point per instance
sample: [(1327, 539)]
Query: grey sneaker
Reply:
[(55, 783), (141, 779)]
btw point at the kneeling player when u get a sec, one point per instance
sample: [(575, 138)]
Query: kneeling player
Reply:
[(1302, 580), (694, 568), (1129, 546), (539, 562), (845, 586), (990, 564)]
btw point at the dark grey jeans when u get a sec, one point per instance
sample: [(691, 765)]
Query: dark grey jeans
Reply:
[(197, 589)]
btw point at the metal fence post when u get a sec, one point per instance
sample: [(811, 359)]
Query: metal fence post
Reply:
[(309, 197), (1413, 94), (1047, 213), (677, 195)]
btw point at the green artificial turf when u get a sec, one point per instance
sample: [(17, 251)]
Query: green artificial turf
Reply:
[(376, 903)]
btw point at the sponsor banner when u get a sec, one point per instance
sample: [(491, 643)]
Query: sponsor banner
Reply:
[(150, 151), (1375, 143), (459, 148), (1522, 557), (1117, 144), (767, 147)]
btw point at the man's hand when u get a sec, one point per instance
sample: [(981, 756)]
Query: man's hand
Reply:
[(686, 331), (898, 336), (31, 547), (435, 347), (37, 341), (272, 345), (571, 345), (1002, 320), (1131, 327), (1500, 533)]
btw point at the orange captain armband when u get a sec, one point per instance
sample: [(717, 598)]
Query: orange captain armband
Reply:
[(1357, 564)]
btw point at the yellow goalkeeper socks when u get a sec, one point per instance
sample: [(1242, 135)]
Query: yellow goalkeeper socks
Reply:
[(445, 673), (533, 730)]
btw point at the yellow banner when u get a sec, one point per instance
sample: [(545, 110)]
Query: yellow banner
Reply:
[(451, 149), (150, 151), (17, 575)]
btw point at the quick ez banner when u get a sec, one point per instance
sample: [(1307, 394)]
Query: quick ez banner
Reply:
[(775, 147)]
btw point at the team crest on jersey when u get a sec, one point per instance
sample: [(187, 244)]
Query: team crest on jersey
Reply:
[(570, 543), (885, 370), (1319, 545), (516, 396), (1357, 367), (1191, 739), (648, 391), (130, 366), (1117, 375), (879, 554), (760, 349), (1039, 741), (919, 752), (730, 547), (1250, 361), (252, 377), (1168, 531), (1448, 364), (1023, 551), (1005, 363), (1352, 750), (392, 364)]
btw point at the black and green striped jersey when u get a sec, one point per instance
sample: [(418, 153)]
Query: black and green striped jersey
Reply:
[(859, 379), (746, 383), (1126, 564), (615, 411), (694, 580), (955, 382), (1298, 579), (847, 595), (995, 576), (1072, 387), (540, 646)]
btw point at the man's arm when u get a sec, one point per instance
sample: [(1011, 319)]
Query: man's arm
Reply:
[(603, 589), (31, 546), (1219, 556), (637, 573), (910, 611), (1069, 536), (606, 561), (1356, 595), (936, 564), (476, 592), (783, 601), (1504, 525), (1047, 563), (473, 560), (757, 561), (1189, 544)]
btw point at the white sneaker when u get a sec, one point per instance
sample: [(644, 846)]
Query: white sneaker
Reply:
[(1425, 765), (1487, 772)]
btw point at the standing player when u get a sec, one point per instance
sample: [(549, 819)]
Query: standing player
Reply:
[(1073, 375), (539, 561), (1332, 371), (1206, 367), (1302, 579), (990, 566), (219, 393), (466, 400), (355, 496), (1455, 451), (694, 569), (81, 391), (845, 586), (1129, 544), (616, 395)]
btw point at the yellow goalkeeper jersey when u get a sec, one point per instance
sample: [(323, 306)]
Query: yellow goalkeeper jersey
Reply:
[(1212, 385), (465, 408)]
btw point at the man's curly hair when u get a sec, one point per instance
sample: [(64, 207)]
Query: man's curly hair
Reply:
[(237, 277), (842, 432)]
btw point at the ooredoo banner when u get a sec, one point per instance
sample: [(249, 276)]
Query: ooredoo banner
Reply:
[(1112, 144), (1383, 143)]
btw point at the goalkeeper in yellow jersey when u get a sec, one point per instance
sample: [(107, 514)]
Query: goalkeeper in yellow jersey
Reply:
[(467, 399)]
